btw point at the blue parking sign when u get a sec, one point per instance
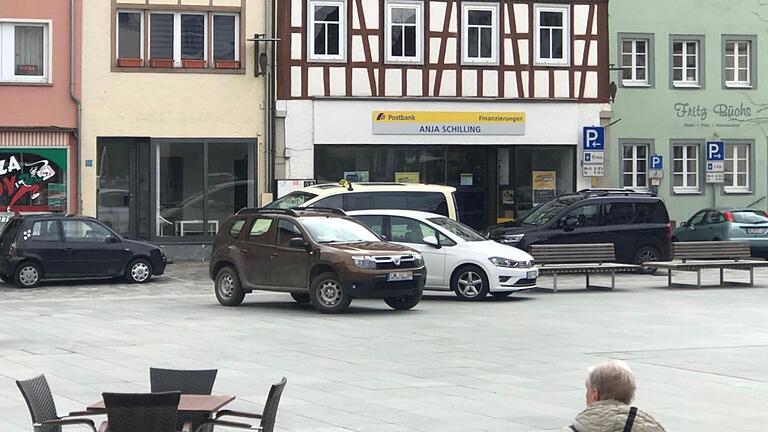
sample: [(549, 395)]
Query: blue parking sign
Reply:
[(593, 138), (715, 150), (656, 162)]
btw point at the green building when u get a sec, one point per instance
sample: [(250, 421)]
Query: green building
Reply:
[(688, 73)]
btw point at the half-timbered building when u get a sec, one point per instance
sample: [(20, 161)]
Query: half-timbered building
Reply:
[(487, 96)]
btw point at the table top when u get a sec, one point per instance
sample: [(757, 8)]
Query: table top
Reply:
[(187, 403)]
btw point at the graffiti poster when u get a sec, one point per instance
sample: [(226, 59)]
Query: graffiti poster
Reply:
[(33, 180)]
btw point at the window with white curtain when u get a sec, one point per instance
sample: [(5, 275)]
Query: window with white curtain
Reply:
[(685, 169), (737, 64), (24, 51), (635, 166), (686, 63), (736, 168)]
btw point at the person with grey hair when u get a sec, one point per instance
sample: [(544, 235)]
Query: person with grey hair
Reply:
[(610, 391)]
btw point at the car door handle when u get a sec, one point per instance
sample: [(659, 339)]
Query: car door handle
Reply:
[(68, 249), (244, 251)]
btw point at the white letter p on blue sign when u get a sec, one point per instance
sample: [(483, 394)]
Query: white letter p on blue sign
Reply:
[(593, 138), (715, 151)]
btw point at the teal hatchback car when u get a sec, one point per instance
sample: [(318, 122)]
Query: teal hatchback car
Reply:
[(727, 224)]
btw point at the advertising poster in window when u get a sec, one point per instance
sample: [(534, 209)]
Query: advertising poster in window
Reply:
[(33, 180), (356, 176), (407, 177), (544, 186)]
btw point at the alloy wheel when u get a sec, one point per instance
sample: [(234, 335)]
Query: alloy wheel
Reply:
[(470, 284), (140, 272)]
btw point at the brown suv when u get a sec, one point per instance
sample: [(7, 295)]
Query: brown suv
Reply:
[(317, 255)]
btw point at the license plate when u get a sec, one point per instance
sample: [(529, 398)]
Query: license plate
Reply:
[(756, 230), (531, 274), (400, 276)]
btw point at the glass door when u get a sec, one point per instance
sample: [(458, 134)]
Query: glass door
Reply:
[(467, 169), (122, 200)]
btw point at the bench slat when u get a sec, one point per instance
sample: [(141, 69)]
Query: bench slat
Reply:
[(573, 253), (711, 250)]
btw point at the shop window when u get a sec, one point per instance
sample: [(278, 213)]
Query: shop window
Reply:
[(635, 166), (24, 51), (404, 32), (34, 180), (736, 168), (194, 203), (687, 63), (738, 63), (326, 30), (130, 44), (480, 32), (634, 62), (685, 169), (178, 39), (552, 35)]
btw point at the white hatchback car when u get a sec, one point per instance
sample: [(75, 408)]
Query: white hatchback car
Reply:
[(457, 257)]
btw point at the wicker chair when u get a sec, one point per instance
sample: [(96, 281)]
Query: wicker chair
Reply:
[(269, 415), (42, 408), (151, 412), (199, 382)]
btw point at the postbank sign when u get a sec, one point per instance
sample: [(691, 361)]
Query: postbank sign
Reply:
[(448, 123)]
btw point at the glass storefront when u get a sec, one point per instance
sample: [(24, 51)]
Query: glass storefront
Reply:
[(492, 183), (195, 185)]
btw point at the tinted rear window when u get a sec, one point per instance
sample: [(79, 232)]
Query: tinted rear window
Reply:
[(432, 202), (651, 212), (9, 233)]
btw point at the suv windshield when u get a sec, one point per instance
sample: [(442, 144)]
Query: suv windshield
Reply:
[(464, 232), (544, 213), (749, 217), (337, 230), (292, 200)]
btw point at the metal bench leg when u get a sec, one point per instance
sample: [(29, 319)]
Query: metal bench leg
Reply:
[(721, 277), (613, 280), (698, 278), (587, 275), (751, 276), (554, 282), (669, 278)]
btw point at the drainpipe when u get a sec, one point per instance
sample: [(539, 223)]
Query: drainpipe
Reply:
[(269, 96), (78, 104)]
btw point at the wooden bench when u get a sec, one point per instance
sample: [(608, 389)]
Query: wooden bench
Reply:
[(695, 256), (579, 259)]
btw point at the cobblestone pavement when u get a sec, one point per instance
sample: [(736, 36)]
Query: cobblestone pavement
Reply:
[(516, 364)]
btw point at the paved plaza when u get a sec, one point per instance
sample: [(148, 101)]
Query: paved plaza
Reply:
[(518, 364)]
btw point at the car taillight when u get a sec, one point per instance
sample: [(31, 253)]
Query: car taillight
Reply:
[(728, 216), (669, 230)]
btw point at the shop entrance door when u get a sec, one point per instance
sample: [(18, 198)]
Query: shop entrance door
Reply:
[(123, 185), (468, 173)]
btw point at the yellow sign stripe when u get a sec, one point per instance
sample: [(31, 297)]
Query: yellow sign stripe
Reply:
[(448, 117)]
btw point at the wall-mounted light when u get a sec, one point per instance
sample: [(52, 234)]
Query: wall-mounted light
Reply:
[(260, 58)]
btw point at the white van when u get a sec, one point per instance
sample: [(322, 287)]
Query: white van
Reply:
[(348, 196)]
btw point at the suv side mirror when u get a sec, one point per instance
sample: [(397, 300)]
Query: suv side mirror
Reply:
[(570, 223), (111, 239), (298, 243), (432, 241), (684, 224)]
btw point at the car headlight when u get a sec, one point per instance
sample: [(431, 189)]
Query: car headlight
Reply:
[(364, 262), (512, 238), (418, 260), (503, 262)]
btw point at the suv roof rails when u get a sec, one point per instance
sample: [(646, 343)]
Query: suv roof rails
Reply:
[(251, 210), (610, 191), (333, 210)]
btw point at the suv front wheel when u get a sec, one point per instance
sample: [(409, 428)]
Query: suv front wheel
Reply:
[(229, 292), (327, 294)]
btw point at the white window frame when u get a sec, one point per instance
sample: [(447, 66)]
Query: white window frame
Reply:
[(566, 11), (7, 56), (736, 54), (733, 154), (117, 32), (683, 67), (635, 173), (419, 32), (237, 33), (342, 31), (177, 61), (494, 9), (633, 81), (686, 188)]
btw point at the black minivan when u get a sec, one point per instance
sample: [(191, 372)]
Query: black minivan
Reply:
[(55, 246), (636, 223)]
